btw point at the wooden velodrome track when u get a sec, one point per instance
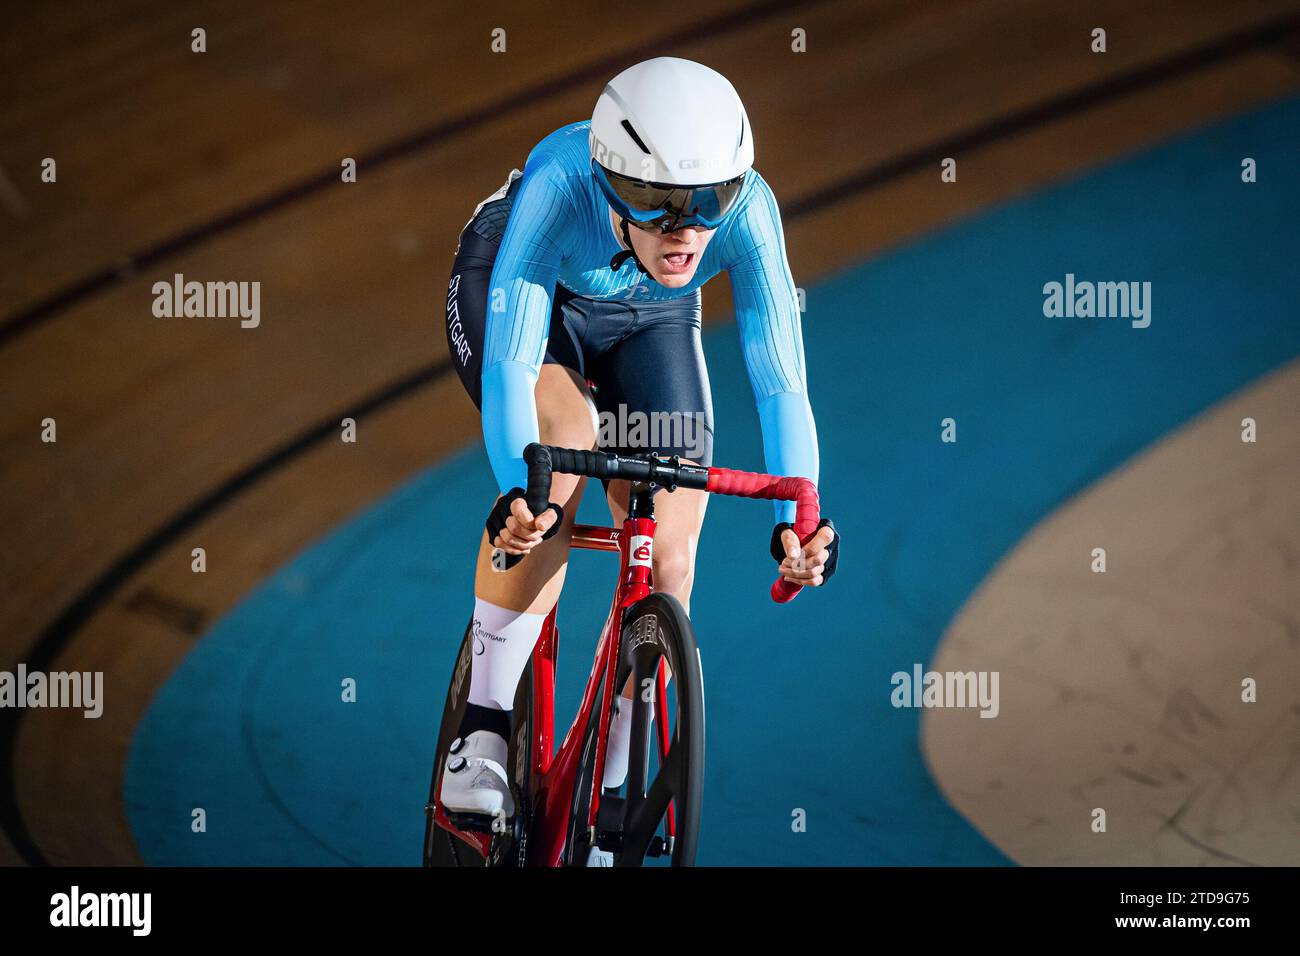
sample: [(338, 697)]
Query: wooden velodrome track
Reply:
[(176, 434)]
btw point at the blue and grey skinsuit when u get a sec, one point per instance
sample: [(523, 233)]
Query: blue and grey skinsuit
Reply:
[(532, 284)]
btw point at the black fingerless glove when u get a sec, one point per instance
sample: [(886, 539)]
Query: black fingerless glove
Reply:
[(832, 549), (496, 519)]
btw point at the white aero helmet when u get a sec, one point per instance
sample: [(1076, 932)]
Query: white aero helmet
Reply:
[(671, 144)]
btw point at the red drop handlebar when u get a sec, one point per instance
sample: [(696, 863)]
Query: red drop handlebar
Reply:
[(748, 484)]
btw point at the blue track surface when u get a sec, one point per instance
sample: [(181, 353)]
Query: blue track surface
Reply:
[(251, 726)]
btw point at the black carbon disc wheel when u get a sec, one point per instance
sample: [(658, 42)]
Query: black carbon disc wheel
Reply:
[(577, 841), (657, 629), (441, 847), (509, 844)]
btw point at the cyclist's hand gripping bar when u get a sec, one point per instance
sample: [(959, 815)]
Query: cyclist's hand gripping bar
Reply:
[(536, 496)]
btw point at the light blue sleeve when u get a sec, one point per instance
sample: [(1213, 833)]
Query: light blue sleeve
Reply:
[(519, 314), (771, 339)]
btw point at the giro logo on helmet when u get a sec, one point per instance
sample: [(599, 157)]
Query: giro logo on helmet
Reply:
[(713, 163), (606, 156)]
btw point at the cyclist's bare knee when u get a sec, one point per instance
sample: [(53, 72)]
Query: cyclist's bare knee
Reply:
[(674, 570)]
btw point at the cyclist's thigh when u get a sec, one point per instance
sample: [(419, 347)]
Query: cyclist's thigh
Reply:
[(653, 395), (566, 416), (466, 313), (467, 297), (652, 386)]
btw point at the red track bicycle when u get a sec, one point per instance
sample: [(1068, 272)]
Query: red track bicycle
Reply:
[(562, 812)]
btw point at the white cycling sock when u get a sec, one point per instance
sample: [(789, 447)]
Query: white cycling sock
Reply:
[(503, 641), (618, 744)]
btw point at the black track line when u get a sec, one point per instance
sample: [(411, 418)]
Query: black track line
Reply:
[(60, 633), (1049, 111), (33, 315)]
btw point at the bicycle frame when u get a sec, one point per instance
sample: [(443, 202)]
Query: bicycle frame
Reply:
[(554, 773)]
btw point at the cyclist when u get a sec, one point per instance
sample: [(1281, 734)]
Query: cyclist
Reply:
[(575, 300)]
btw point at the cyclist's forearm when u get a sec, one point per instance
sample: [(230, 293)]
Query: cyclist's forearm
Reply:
[(509, 420), (789, 441)]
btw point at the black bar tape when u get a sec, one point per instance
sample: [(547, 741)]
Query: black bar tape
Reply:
[(598, 464), (538, 459)]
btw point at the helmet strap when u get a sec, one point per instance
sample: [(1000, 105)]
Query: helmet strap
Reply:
[(616, 263)]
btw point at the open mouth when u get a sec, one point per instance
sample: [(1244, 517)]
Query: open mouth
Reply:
[(676, 263)]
